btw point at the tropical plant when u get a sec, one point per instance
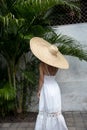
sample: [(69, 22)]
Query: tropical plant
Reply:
[(20, 20), (69, 46), (7, 95), (26, 85)]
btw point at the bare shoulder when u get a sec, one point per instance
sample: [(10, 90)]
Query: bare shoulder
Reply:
[(41, 65), (46, 69)]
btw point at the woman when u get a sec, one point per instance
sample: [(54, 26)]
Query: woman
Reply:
[(49, 116), (45, 70)]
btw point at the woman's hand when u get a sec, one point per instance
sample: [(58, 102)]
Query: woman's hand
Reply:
[(38, 94)]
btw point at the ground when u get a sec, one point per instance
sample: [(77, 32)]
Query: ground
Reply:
[(23, 117)]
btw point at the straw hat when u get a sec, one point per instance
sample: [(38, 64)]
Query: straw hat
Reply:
[(48, 53)]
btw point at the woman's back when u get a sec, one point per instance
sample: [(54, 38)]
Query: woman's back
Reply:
[(48, 70)]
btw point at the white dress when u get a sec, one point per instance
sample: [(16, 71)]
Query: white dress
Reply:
[(50, 116)]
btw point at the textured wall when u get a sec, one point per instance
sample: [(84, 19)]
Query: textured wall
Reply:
[(73, 85), (73, 82)]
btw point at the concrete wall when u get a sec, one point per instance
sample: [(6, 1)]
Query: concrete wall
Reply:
[(73, 85), (73, 82)]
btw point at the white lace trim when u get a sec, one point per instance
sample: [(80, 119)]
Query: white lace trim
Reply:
[(54, 114)]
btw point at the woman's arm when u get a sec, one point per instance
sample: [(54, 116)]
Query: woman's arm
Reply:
[(41, 78)]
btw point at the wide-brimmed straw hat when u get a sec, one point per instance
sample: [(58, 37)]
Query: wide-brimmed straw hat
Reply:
[(48, 53)]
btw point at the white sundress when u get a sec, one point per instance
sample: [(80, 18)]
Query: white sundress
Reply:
[(50, 116)]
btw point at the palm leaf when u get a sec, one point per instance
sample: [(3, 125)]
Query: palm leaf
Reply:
[(7, 92), (68, 45), (29, 76), (31, 9)]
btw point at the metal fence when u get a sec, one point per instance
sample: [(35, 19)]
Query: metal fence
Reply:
[(64, 15)]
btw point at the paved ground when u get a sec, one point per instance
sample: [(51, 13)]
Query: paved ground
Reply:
[(74, 121)]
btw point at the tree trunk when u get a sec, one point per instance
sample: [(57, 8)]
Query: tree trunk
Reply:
[(19, 108), (11, 76)]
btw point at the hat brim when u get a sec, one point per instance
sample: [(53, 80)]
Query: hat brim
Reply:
[(40, 49)]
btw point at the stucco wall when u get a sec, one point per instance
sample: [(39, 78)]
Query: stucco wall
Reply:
[(73, 85), (73, 82)]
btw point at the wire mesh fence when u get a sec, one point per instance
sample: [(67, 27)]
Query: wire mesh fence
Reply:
[(83, 10), (64, 15)]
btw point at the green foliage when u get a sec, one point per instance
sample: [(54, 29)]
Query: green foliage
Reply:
[(7, 92), (27, 82), (7, 97), (10, 35), (69, 46)]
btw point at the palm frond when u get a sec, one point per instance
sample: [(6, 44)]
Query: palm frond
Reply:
[(7, 92), (70, 46), (29, 76), (31, 9), (10, 24), (67, 45)]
